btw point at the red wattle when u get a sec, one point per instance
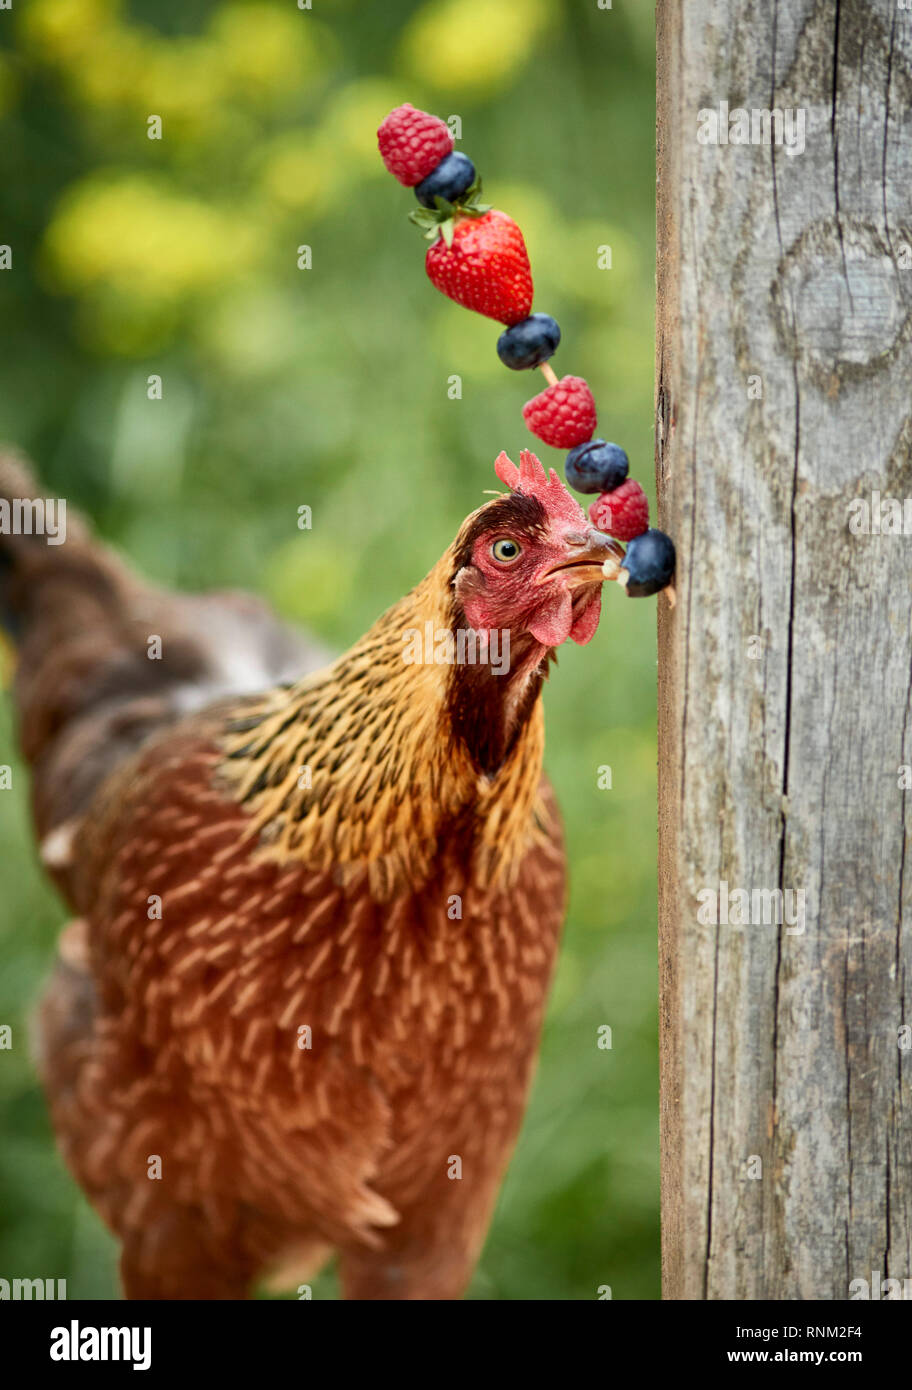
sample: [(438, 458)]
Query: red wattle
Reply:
[(553, 622)]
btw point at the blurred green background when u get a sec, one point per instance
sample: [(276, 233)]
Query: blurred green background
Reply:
[(178, 257)]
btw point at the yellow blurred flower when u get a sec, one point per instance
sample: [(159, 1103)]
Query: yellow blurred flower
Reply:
[(315, 170), (183, 81), (251, 56), (112, 67), (144, 239), (352, 118), (473, 45), (300, 171), (111, 71), (267, 50), (59, 28)]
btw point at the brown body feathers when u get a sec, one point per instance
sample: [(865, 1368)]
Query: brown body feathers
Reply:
[(298, 1008)]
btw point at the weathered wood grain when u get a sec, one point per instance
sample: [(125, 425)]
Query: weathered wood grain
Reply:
[(786, 668)]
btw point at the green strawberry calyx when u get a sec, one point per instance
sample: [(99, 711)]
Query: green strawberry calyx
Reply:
[(440, 221)]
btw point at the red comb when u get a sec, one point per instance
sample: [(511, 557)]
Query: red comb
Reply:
[(531, 480)]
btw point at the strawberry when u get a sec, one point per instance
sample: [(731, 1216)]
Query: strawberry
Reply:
[(412, 143), (562, 415), (482, 263), (623, 513)]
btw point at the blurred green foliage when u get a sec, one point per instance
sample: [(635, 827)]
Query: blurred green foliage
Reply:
[(178, 257)]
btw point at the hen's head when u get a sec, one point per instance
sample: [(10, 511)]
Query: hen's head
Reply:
[(531, 561)]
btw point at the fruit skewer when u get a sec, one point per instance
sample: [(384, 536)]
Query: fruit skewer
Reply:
[(478, 258)]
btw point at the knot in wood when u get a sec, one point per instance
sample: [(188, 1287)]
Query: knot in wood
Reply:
[(838, 303)]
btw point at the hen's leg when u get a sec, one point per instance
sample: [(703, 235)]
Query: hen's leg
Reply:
[(404, 1274), (432, 1251), (176, 1256), (296, 1266)]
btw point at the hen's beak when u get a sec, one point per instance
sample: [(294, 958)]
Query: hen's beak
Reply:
[(592, 557)]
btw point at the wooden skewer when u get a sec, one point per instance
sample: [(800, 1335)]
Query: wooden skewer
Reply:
[(548, 373), (622, 578)]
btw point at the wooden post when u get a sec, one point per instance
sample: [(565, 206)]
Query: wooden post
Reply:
[(784, 393)]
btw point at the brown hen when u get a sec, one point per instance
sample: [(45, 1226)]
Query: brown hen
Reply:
[(298, 1008)]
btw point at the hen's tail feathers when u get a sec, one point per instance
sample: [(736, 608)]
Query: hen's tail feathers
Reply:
[(105, 659), (74, 613), (41, 541), (15, 481)]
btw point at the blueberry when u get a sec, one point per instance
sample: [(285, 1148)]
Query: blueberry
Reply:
[(596, 466), (450, 179), (529, 342), (650, 562)]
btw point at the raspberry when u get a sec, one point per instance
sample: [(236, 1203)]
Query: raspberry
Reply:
[(412, 144), (623, 513), (563, 415)]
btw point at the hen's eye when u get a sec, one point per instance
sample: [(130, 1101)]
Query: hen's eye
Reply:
[(505, 550)]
